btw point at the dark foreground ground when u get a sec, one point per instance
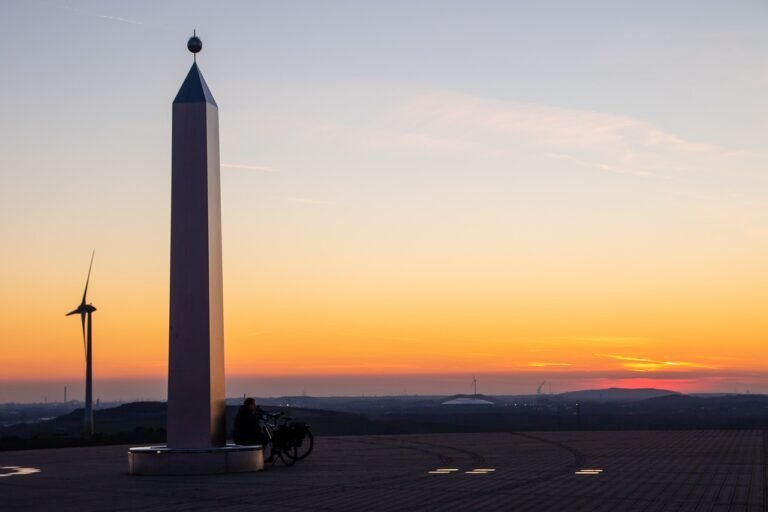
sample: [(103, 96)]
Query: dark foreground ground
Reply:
[(642, 471)]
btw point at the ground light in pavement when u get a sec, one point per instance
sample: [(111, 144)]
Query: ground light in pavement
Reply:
[(585, 471), (480, 471), (448, 471), (16, 471)]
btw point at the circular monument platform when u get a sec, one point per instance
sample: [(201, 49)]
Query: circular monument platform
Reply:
[(161, 460)]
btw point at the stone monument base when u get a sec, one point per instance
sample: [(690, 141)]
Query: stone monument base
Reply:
[(161, 460)]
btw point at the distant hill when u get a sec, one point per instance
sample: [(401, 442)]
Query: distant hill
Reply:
[(140, 420), (124, 418), (617, 394), (469, 400)]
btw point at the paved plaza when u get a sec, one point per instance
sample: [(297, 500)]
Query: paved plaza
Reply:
[(682, 471)]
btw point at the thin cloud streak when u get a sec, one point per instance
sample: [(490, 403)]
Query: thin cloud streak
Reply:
[(262, 168), (641, 364), (129, 21), (608, 340), (108, 17), (316, 202), (447, 122), (608, 167)]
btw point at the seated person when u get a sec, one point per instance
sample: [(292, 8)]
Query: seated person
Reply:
[(248, 429)]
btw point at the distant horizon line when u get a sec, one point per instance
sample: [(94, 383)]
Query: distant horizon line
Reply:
[(405, 395), (30, 390)]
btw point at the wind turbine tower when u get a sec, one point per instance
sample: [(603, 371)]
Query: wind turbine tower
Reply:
[(85, 310)]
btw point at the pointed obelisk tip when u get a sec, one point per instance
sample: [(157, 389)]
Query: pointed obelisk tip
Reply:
[(194, 44), (194, 89)]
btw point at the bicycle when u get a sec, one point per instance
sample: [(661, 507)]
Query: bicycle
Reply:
[(281, 440), (297, 437)]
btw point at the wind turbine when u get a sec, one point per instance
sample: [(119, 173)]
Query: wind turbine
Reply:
[(85, 310)]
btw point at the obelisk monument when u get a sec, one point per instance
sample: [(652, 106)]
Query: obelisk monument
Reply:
[(196, 443), (196, 408)]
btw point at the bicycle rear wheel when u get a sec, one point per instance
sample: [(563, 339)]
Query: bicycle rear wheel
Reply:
[(288, 453)]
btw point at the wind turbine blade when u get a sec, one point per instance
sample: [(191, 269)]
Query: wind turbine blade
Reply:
[(85, 292), (73, 312)]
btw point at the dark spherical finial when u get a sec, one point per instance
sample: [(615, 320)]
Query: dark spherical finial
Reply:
[(194, 44)]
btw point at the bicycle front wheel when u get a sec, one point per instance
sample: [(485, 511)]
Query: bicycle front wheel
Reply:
[(304, 447)]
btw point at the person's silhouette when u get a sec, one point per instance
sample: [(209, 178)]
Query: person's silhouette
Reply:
[(248, 424)]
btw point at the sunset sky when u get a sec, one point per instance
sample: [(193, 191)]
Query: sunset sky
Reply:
[(412, 193)]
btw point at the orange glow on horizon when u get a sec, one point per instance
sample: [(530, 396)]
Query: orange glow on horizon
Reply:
[(377, 328)]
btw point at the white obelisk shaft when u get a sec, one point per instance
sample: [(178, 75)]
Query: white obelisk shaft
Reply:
[(196, 408)]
